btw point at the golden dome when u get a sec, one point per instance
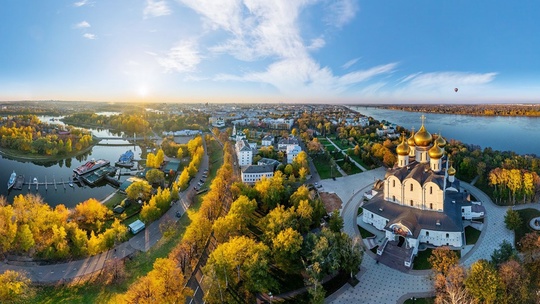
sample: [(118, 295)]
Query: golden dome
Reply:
[(436, 152), (422, 137), (451, 170), (410, 141), (403, 148), (440, 140)]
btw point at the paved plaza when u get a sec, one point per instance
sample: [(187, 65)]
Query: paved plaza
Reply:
[(381, 284)]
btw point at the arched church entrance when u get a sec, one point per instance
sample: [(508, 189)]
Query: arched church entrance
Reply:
[(401, 241)]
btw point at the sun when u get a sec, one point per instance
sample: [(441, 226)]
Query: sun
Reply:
[(143, 91)]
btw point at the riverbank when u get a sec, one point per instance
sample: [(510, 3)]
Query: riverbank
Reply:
[(16, 155)]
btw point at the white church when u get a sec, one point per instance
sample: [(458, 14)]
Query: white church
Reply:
[(420, 203)]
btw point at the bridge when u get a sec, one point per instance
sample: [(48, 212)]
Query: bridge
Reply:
[(127, 138)]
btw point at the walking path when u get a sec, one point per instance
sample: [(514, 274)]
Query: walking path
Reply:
[(345, 153), (140, 242), (381, 284)]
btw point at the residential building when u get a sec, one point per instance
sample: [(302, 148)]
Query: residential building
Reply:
[(244, 152), (253, 173)]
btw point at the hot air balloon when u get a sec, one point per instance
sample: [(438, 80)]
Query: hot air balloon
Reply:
[(455, 90)]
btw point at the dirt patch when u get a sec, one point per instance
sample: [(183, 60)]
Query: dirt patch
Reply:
[(331, 201)]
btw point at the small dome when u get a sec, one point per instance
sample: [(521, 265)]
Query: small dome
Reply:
[(403, 148), (436, 152), (410, 141), (422, 137), (440, 141), (451, 170)]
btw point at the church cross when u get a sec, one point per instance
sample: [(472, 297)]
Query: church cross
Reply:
[(423, 117)]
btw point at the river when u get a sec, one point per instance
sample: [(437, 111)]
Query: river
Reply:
[(63, 170), (503, 133)]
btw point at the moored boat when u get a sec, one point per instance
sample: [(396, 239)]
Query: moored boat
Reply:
[(126, 159), (11, 180), (91, 166)]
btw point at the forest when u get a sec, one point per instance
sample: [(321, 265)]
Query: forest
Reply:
[(27, 134)]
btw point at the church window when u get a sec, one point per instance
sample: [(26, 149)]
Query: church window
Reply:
[(430, 190), (372, 215), (394, 198), (431, 206), (447, 235), (412, 203), (427, 233), (411, 187), (394, 183)]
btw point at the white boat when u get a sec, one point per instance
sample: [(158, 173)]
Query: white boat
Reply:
[(11, 180), (35, 180)]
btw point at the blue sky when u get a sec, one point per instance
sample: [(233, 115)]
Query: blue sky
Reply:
[(332, 51)]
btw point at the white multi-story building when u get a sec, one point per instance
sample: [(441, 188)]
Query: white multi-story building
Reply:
[(268, 140), (420, 202), (287, 142), (244, 152), (292, 152), (253, 173)]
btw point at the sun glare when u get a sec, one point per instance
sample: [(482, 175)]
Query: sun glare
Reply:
[(143, 91)]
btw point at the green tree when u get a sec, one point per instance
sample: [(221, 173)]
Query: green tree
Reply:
[(336, 221), (512, 220), (504, 253), (155, 176)]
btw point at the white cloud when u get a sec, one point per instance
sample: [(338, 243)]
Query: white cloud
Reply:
[(156, 8), (350, 63), (448, 79), (89, 36), (83, 24), (316, 44), (341, 12), (184, 57), (81, 3), (305, 77)]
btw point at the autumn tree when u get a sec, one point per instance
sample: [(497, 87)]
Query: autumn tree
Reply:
[(483, 282), (15, 287), (336, 221), (515, 282), (139, 190), (442, 258), (91, 214), (450, 288), (286, 247)]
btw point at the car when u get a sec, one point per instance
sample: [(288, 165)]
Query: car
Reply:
[(178, 214), (201, 180), (196, 188)]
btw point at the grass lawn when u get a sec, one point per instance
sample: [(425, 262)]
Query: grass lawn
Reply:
[(364, 233), (360, 210), (323, 167), (354, 168), (421, 260), (526, 216), (359, 160), (472, 235)]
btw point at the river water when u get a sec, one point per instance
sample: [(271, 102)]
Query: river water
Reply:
[(503, 133), (63, 170)]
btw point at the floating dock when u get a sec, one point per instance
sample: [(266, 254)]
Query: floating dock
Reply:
[(19, 182)]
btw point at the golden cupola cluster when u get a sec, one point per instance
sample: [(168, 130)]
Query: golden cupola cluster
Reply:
[(422, 138), (451, 170), (410, 141), (440, 140), (436, 152), (402, 148)]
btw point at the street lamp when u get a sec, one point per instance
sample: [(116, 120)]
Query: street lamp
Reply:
[(271, 296)]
